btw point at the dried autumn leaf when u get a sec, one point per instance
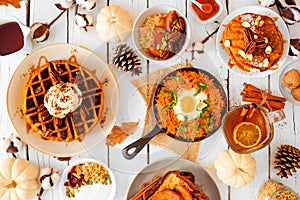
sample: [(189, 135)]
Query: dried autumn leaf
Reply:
[(120, 133), (14, 3)]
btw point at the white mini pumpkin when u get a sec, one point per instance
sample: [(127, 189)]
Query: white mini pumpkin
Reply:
[(114, 24), (235, 169), (18, 179)]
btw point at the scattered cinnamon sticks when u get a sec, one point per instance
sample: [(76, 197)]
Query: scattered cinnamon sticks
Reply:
[(261, 97)]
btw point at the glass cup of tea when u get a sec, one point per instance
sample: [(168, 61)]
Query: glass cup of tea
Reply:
[(248, 128)]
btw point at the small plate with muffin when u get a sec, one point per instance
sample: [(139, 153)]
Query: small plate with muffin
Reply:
[(253, 41), (289, 82)]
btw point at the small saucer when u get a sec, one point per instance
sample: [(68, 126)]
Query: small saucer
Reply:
[(210, 19), (286, 92)]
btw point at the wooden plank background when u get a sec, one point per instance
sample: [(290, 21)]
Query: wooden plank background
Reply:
[(132, 107)]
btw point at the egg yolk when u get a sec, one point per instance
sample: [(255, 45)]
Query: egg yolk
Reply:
[(187, 104)]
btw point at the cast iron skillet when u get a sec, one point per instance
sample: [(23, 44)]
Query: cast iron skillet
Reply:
[(138, 145)]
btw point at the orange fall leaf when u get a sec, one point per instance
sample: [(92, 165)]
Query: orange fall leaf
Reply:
[(120, 133)]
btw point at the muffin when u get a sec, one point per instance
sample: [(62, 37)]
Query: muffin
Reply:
[(253, 42)]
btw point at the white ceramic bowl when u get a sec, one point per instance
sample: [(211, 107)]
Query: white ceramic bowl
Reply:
[(224, 57), (95, 191), (141, 19), (25, 30), (210, 19), (84, 57)]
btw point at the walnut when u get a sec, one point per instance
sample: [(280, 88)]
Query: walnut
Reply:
[(296, 93), (291, 79), (246, 24)]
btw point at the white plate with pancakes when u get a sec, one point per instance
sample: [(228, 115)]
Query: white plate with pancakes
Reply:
[(224, 57), (85, 58), (163, 166)]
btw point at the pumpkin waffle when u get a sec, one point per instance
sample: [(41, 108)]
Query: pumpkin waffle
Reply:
[(253, 42), (75, 124)]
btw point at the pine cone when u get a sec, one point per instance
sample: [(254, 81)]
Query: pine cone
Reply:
[(125, 59), (287, 159)]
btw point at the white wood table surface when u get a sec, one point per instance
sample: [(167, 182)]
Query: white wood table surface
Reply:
[(132, 106)]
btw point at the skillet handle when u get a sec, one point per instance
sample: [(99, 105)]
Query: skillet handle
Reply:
[(140, 143)]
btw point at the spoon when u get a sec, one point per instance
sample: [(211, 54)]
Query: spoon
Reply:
[(204, 7)]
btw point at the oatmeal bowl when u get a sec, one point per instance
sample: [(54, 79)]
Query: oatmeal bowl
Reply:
[(161, 33)]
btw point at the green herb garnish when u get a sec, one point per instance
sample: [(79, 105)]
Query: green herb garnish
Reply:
[(202, 86), (176, 78), (203, 126), (181, 129), (173, 102), (186, 123)]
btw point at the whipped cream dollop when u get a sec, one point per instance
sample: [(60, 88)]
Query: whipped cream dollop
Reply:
[(62, 99)]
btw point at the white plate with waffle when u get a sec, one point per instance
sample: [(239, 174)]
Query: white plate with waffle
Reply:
[(99, 87)]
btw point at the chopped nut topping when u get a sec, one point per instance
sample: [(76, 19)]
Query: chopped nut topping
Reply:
[(257, 20), (261, 23), (248, 35), (260, 43), (44, 112), (227, 43), (246, 24), (265, 62), (266, 40), (38, 89), (242, 53), (54, 75), (250, 48), (249, 57), (255, 37), (268, 49)]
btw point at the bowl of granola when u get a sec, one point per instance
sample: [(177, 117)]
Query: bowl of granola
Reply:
[(161, 33), (87, 178)]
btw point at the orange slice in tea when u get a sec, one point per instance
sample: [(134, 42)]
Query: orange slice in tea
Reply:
[(247, 134)]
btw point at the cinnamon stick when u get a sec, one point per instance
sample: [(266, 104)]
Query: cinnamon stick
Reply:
[(141, 192), (259, 95), (274, 104), (253, 94)]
